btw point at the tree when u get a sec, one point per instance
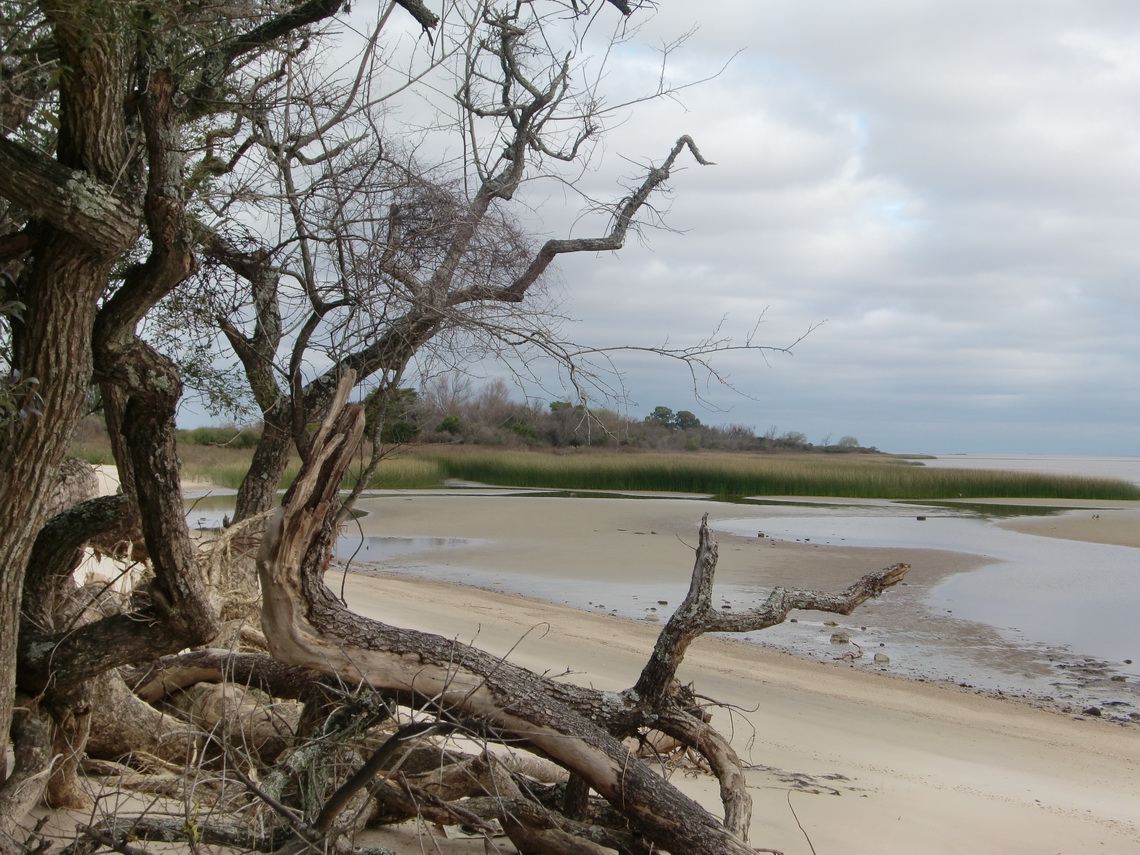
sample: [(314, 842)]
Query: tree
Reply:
[(684, 420), (132, 134), (662, 416), (107, 108), (386, 256)]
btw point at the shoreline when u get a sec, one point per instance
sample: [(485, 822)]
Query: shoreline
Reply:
[(633, 559), (843, 758), (871, 763)]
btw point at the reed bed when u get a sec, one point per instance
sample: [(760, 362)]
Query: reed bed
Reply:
[(854, 476), (403, 473), (721, 474)]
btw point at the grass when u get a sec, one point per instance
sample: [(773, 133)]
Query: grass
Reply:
[(865, 476), (854, 476)]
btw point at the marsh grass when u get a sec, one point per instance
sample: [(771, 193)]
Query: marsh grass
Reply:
[(868, 476), (402, 473), (739, 474)]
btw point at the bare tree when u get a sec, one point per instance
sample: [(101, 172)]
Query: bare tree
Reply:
[(122, 124), (334, 243)]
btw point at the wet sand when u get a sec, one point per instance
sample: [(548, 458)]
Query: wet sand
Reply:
[(868, 761)]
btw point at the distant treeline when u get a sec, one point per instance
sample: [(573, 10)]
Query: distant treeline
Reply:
[(450, 413)]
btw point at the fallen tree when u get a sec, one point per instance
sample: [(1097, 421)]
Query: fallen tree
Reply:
[(578, 728), (366, 701)]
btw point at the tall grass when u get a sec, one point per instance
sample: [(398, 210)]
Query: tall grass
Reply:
[(861, 476), (402, 473), (723, 474), (394, 474)]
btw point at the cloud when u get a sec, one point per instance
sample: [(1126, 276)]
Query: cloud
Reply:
[(954, 187)]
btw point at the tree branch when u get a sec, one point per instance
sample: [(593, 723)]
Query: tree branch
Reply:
[(697, 616), (614, 240), (71, 200)]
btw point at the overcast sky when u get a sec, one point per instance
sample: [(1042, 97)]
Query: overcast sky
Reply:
[(949, 190)]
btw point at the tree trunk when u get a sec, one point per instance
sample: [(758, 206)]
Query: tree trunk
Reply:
[(80, 229), (258, 490), (306, 625)]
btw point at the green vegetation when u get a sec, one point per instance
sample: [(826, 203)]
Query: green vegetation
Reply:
[(229, 436), (855, 476), (868, 476)]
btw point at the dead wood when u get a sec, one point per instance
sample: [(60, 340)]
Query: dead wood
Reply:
[(157, 679), (305, 624), (123, 726), (31, 744), (240, 716), (319, 644)]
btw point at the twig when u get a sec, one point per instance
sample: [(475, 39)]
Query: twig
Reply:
[(798, 823)]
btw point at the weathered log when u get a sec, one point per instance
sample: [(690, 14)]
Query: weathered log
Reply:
[(157, 679), (306, 625)]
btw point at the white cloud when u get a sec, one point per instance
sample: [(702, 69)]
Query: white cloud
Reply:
[(953, 186)]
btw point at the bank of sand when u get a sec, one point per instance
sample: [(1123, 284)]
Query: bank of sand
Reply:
[(884, 765)]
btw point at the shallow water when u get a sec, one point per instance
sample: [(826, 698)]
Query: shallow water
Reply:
[(1042, 616), (1040, 590)]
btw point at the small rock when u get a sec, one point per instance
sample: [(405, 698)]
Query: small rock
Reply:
[(921, 519), (662, 602), (882, 659), (830, 623), (1091, 711), (840, 637), (1118, 678), (1127, 661)]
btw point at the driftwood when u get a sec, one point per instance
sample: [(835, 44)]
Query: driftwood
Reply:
[(371, 694), (578, 728)]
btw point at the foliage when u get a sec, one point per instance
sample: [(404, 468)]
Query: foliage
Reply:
[(720, 474), (392, 416)]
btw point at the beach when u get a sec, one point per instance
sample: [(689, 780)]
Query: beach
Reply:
[(848, 757)]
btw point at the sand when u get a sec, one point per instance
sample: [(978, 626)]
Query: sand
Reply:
[(863, 761), (847, 759)]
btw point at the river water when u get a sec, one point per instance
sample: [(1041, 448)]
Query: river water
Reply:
[(1040, 617)]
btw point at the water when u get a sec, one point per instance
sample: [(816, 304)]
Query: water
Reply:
[(1039, 616), (1038, 591), (1125, 468)]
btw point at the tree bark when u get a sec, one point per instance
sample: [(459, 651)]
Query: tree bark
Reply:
[(306, 625)]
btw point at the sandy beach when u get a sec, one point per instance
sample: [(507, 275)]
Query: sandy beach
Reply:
[(848, 757), (864, 761)]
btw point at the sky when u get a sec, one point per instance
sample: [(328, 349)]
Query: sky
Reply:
[(946, 194), (937, 202)]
